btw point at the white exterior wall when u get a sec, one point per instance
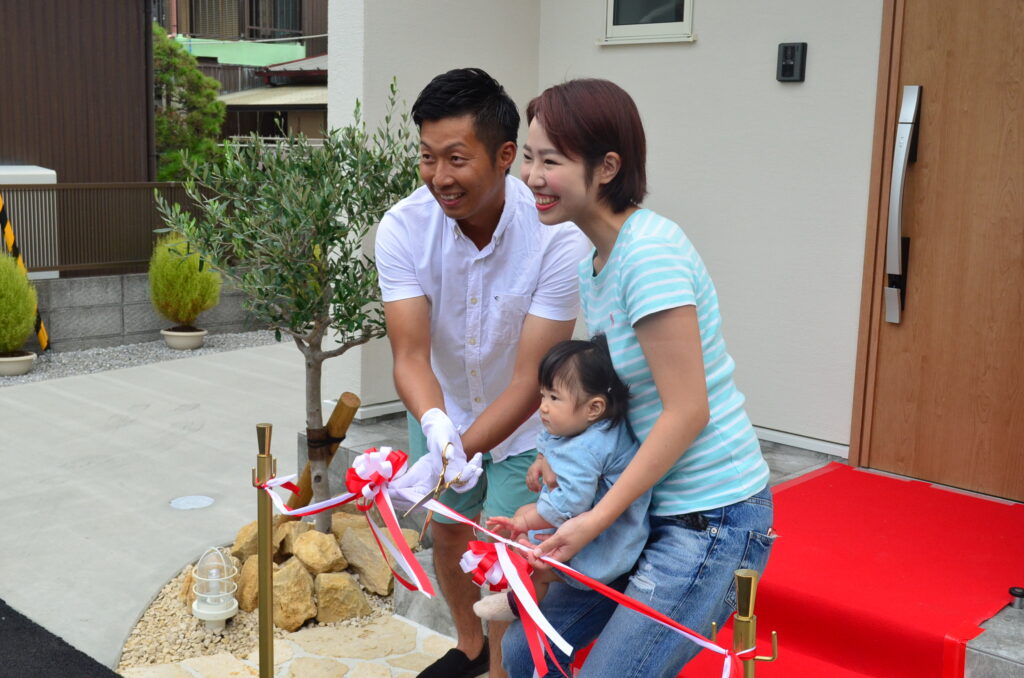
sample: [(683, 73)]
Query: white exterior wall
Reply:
[(372, 41), (769, 179)]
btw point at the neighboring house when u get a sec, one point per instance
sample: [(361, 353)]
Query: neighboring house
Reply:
[(74, 100), (231, 39), (246, 44), (785, 189), (295, 102)]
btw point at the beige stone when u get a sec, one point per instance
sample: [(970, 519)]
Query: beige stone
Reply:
[(187, 596), (283, 651), (223, 665), (157, 671), (372, 671), (436, 645), (317, 667), (338, 597), (319, 552), (248, 593), (416, 661), (246, 541), (385, 638), (293, 595), (285, 534), (363, 556), (340, 522)]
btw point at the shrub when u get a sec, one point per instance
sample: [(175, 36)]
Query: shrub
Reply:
[(17, 305), (181, 286)]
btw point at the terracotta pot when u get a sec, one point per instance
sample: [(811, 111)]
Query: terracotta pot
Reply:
[(184, 341), (14, 366)]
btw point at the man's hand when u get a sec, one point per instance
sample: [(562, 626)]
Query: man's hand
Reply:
[(419, 480), (444, 442), (540, 470)]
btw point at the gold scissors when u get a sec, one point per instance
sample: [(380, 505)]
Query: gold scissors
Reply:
[(441, 486)]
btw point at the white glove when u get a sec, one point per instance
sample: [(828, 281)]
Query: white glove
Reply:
[(418, 480), (444, 439), (421, 479)]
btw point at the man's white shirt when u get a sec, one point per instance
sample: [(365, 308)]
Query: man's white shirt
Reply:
[(479, 298)]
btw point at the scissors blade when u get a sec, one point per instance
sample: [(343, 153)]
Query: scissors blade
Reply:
[(427, 497)]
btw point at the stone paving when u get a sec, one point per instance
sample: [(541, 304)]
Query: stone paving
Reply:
[(390, 648)]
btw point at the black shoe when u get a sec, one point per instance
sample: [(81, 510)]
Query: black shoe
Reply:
[(455, 664)]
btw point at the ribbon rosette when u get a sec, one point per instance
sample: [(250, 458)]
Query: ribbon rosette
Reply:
[(481, 561), (370, 473), (494, 565)]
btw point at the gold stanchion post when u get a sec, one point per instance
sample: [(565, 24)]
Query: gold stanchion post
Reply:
[(266, 468), (744, 626)]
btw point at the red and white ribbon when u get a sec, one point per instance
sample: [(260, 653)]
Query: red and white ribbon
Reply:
[(731, 667), (369, 474)]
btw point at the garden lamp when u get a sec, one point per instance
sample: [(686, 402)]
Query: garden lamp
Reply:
[(214, 589)]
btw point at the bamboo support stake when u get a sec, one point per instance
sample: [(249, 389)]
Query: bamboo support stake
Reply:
[(337, 425), (264, 471)]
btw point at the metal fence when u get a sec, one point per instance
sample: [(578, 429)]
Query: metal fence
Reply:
[(232, 78), (87, 229)]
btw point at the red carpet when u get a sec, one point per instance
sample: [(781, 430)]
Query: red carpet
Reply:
[(875, 577)]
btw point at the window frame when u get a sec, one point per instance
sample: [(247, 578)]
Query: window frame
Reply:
[(675, 31)]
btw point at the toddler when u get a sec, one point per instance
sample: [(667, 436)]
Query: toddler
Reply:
[(587, 443)]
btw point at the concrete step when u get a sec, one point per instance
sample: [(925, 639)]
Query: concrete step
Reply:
[(999, 651), (430, 612)]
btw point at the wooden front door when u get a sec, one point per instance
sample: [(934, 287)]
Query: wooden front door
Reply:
[(940, 396)]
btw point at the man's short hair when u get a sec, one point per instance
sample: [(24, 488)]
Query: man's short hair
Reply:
[(588, 118), (470, 91)]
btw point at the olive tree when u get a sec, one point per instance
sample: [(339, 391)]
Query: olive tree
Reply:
[(287, 223)]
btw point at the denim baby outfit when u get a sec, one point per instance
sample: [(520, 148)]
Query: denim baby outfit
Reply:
[(586, 465)]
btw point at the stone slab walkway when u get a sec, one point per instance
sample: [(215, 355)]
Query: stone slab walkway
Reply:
[(391, 648)]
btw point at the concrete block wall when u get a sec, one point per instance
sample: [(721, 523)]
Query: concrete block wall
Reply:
[(112, 310)]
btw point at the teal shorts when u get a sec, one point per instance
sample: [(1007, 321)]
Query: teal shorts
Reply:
[(500, 491)]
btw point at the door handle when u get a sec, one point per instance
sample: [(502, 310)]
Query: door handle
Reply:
[(897, 248)]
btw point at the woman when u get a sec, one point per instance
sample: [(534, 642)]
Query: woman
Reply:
[(647, 289)]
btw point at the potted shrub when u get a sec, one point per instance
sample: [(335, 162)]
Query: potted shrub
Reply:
[(181, 287), (17, 317)]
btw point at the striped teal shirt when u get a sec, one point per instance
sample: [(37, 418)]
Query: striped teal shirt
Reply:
[(654, 267)]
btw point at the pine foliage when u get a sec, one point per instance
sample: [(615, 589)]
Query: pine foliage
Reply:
[(188, 117)]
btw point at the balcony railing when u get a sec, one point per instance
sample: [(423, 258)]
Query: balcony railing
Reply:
[(87, 229)]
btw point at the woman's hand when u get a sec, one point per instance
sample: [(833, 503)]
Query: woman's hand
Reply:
[(540, 471), (569, 539)]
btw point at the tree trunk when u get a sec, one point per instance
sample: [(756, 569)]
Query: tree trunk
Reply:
[(337, 425), (316, 434), (318, 462)]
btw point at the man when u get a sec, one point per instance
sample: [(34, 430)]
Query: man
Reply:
[(475, 291)]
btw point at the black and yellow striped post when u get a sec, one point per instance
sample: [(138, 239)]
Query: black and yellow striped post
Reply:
[(11, 245)]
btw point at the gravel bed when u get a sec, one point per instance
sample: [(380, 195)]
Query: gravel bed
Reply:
[(167, 632), (57, 364)]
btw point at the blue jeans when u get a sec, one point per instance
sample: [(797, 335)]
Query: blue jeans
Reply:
[(685, 572)]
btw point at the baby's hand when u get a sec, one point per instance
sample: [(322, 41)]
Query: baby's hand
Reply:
[(504, 526), (540, 471)]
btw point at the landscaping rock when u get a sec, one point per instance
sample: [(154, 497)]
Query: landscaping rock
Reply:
[(319, 552), (339, 597), (364, 557), (285, 535), (293, 595), (340, 522)]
